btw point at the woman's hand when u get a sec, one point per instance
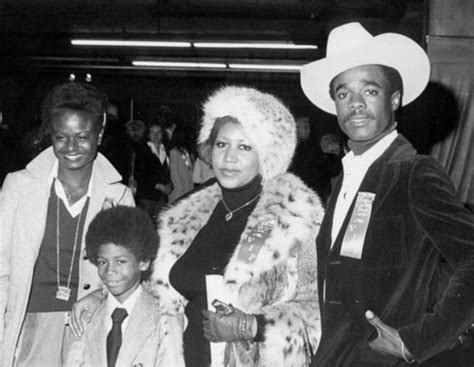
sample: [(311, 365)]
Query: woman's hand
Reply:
[(82, 311), (233, 327)]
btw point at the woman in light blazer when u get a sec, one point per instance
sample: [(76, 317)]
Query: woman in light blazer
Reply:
[(45, 210)]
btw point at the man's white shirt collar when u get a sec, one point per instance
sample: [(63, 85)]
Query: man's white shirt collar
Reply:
[(129, 304), (355, 169), (162, 156), (352, 162)]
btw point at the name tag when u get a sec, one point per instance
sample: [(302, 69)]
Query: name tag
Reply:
[(353, 241), (254, 241)]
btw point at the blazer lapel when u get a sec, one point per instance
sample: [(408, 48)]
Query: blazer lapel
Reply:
[(383, 174), (326, 226), (142, 323), (37, 210), (97, 337), (323, 241)]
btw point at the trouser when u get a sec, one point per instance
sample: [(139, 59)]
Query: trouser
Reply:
[(42, 339)]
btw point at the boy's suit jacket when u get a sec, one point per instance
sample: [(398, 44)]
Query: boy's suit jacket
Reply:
[(150, 339)]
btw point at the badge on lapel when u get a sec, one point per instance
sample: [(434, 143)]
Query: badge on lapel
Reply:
[(353, 242), (253, 242), (108, 203)]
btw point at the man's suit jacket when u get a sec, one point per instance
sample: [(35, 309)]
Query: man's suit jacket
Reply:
[(150, 339), (416, 223)]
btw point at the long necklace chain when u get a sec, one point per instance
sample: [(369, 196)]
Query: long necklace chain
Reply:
[(230, 213), (58, 281)]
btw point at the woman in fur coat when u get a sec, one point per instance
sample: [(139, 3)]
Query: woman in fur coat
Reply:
[(256, 226)]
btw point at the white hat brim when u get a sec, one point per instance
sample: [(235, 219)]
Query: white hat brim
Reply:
[(389, 49)]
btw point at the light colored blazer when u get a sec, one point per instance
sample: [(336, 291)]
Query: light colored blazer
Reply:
[(151, 339), (23, 209)]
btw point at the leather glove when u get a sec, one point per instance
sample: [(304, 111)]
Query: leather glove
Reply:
[(228, 328)]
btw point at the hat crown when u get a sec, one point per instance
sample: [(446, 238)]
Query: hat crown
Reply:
[(346, 37), (350, 46)]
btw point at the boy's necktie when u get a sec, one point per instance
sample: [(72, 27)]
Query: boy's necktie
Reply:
[(114, 339)]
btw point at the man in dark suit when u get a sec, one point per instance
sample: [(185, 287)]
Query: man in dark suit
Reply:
[(392, 220)]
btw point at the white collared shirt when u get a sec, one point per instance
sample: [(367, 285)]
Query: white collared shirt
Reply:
[(355, 168), (75, 208), (129, 304), (162, 156)]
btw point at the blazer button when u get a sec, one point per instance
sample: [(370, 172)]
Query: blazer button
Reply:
[(85, 258), (86, 286)]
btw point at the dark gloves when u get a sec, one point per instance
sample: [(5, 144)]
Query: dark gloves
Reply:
[(233, 327)]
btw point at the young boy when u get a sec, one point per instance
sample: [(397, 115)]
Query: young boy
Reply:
[(127, 328)]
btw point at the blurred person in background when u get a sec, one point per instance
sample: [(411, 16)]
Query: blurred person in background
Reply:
[(181, 163), (151, 171), (116, 145), (202, 171)]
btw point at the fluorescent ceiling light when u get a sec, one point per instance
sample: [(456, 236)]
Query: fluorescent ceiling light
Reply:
[(261, 45), (74, 59), (179, 64), (85, 42), (253, 45), (266, 67)]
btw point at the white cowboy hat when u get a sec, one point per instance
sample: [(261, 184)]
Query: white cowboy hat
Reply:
[(350, 45)]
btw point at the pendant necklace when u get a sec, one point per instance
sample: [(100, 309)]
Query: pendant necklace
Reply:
[(230, 213), (64, 292)]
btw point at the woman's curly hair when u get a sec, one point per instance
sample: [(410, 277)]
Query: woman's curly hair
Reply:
[(126, 226), (72, 96)]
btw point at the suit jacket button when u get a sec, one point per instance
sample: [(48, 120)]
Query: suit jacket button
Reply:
[(85, 257), (86, 286)]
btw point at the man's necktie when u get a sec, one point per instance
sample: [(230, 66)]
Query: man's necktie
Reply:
[(114, 339)]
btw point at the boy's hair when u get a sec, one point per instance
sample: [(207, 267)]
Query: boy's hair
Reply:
[(126, 226)]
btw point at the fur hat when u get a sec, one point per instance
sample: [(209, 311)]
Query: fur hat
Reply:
[(350, 45), (267, 122)]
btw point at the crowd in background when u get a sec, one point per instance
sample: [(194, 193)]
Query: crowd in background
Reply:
[(161, 162)]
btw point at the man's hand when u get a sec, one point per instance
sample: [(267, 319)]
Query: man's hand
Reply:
[(388, 339)]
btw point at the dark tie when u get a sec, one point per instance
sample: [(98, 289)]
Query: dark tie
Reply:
[(114, 339)]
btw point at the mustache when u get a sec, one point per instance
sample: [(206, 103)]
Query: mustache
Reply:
[(356, 115)]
